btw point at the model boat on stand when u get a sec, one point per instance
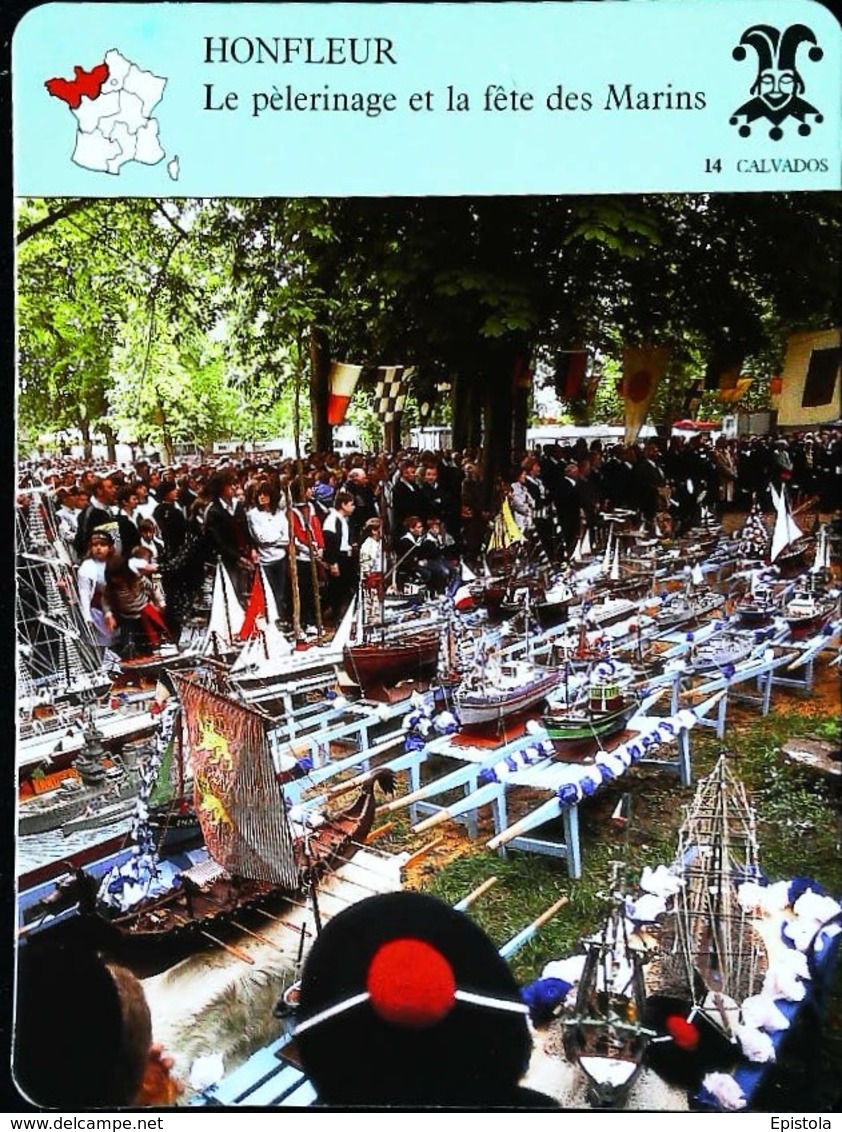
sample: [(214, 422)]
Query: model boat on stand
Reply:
[(380, 654), (710, 954), (258, 852), (598, 709), (721, 652), (760, 605), (810, 608), (604, 1033), (493, 689), (687, 607), (609, 611), (551, 606)]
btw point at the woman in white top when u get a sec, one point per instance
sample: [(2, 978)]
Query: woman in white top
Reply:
[(270, 530), (91, 582)]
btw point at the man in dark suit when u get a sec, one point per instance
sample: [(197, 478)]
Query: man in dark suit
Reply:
[(568, 507), (406, 498), (648, 479), (227, 531)]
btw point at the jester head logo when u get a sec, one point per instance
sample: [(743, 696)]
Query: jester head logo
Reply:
[(778, 87)]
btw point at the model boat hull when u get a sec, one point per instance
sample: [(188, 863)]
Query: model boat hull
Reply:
[(188, 915), (575, 727), (370, 665), (477, 709)]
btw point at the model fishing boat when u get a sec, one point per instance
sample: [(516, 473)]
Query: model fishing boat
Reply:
[(821, 571), (759, 606), (258, 854), (721, 652), (599, 709), (575, 650), (711, 955), (494, 689), (604, 1034), (809, 610), (551, 607)]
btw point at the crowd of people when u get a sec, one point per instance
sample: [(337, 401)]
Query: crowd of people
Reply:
[(142, 536)]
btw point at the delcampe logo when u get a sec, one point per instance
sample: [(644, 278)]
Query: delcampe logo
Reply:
[(778, 87)]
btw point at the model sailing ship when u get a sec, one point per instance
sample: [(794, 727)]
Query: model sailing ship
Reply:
[(604, 1033), (381, 652), (710, 954), (258, 852)]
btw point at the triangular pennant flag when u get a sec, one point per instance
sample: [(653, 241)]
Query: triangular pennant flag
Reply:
[(342, 381), (570, 369), (643, 368)]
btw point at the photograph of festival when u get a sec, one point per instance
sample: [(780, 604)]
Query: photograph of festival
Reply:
[(428, 644)]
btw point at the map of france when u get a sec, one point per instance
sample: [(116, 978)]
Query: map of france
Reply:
[(113, 104)]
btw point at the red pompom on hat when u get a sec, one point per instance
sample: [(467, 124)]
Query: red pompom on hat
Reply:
[(406, 1002), (411, 984), (685, 1035)]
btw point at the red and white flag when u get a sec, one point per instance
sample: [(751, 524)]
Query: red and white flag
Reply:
[(342, 381)]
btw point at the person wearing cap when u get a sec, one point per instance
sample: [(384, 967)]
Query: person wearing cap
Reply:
[(423, 991)]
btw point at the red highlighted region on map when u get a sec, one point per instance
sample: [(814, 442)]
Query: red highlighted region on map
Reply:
[(89, 83)]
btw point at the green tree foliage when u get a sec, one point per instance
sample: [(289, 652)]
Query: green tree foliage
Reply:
[(222, 307)]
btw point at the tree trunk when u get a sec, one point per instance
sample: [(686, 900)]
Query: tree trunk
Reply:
[(87, 443), (498, 411), (392, 434), (522, 395), (466, 407), (460, 412), (319, 370), (110, 441)]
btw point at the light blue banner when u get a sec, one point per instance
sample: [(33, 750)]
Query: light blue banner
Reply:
[(405, 99)]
